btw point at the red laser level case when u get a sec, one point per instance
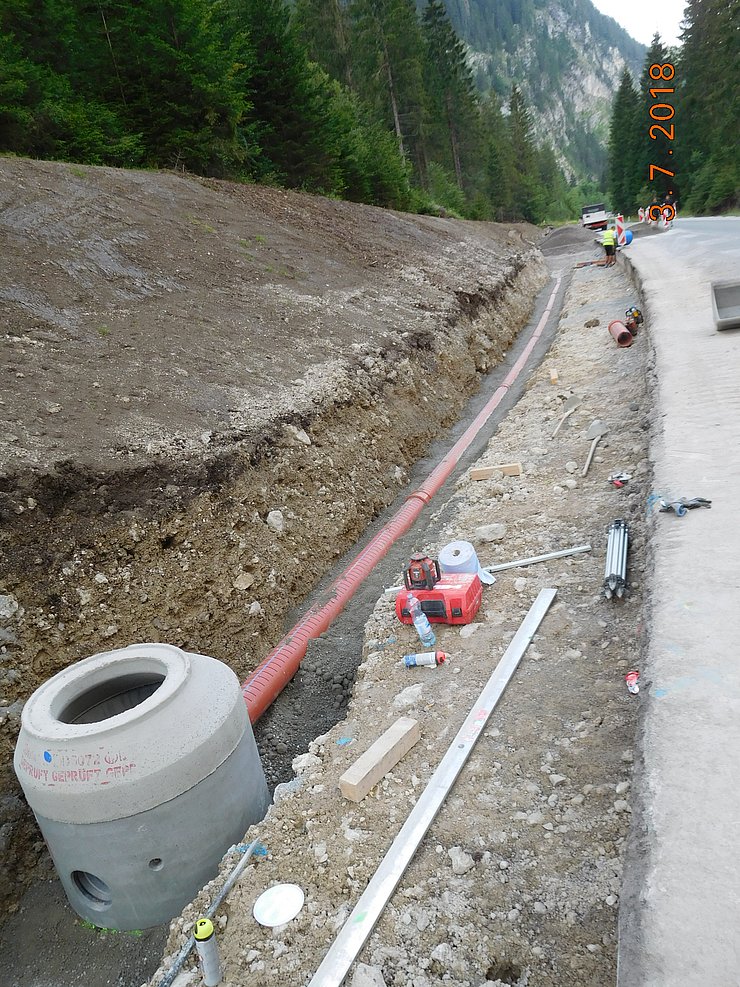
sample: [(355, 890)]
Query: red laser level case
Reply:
[(454, 599)]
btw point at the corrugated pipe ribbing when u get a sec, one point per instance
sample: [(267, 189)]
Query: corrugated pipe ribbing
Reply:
[(268, 680)]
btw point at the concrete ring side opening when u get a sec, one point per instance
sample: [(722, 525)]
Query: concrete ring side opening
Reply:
[(95, 890), (127, 759)]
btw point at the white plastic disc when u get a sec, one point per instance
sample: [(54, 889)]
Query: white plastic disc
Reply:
[(278, 905)]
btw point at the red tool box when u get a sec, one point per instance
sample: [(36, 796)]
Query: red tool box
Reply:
[(454, 598)]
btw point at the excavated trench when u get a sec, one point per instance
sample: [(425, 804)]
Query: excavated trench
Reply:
[(210, 552)]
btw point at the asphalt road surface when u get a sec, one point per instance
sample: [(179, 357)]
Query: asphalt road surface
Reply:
[(680, 908)]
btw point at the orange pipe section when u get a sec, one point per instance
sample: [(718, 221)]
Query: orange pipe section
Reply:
[(621, 333), (271, 676)]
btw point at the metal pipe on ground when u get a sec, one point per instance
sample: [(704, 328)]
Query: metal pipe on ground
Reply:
[(268, 680), (537, 558), (621, 333)]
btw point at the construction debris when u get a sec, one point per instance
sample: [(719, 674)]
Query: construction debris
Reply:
[(430, 659), (619, 479), (621, 334), (278, 905), (632, 679), (590, 263), (680, 507)]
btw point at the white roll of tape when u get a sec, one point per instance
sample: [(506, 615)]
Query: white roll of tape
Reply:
[(460, 556)]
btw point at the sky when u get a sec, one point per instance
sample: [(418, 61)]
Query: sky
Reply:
[(642, 18)]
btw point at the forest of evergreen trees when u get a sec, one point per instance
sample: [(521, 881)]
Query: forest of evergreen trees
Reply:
[(695, 119), (370, 100)]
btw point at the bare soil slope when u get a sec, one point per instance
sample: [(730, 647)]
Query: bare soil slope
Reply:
[(208, 390), (147, 312)]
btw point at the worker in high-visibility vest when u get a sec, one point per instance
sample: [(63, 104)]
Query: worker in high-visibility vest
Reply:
[(609, 240)]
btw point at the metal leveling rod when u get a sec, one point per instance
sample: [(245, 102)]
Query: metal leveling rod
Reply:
[(537, 558), (615, 569), (351, 938)]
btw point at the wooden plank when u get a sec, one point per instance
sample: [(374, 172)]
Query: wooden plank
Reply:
[(378, 760), (486, 472)]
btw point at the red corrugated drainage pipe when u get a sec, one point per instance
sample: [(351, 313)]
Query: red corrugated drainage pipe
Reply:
[(270, 677), (621, 333)]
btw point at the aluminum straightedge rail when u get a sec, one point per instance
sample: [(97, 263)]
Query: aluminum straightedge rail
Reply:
[(355, 931)]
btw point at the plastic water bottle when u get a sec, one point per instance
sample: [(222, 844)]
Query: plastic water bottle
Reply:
[(430, 658), (421, 622)]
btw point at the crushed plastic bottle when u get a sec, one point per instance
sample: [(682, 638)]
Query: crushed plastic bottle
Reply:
[(421, 622)]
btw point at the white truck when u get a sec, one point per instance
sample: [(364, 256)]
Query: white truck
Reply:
[(594, 217)]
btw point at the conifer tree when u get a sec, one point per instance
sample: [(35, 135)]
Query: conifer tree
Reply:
[(50, 103), (387, 59), (649, 151), (370, 163), (499, 160), (324, 29), (709, 104), (168, 75), (526, 189), (624, 134), (450, 91), (290, 101)]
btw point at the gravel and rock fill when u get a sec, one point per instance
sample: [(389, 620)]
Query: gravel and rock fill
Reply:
[(518, 879)]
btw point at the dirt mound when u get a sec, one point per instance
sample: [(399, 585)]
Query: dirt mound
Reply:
[(566, 238)]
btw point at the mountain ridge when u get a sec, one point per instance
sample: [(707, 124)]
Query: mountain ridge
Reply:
[(566, 57)]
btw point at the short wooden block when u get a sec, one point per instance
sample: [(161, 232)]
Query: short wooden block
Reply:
[(378, 760), (486, 472)]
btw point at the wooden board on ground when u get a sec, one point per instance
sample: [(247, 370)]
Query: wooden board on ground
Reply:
[(486, 472), (378, 760)]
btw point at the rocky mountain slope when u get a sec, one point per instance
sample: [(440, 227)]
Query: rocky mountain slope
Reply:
[(565, 56)]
